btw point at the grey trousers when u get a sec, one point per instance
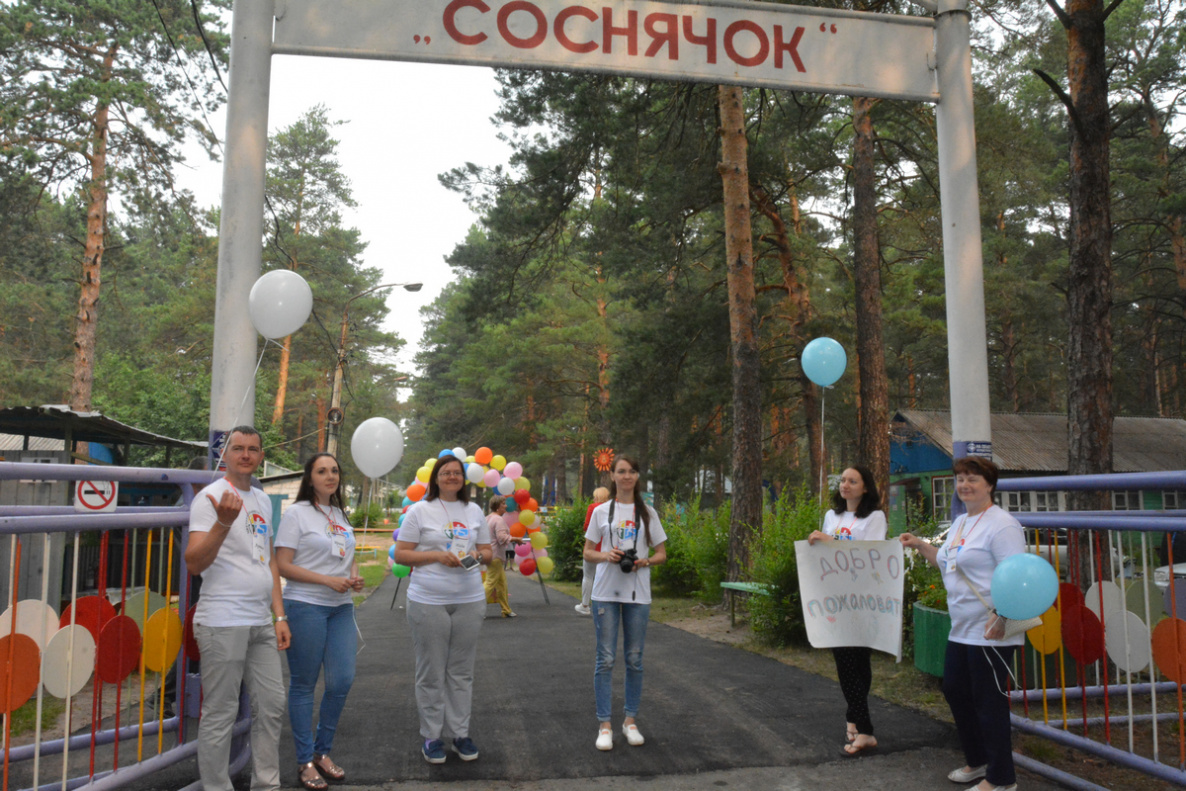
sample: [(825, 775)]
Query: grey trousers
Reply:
[(234, 655), (445, 637)]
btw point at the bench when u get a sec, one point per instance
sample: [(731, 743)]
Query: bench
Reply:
[(749, 589)]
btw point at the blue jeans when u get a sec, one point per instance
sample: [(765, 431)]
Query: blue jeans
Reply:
[(320, 636), (607, 615)]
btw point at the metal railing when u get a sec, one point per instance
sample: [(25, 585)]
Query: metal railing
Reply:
[(106, 654)]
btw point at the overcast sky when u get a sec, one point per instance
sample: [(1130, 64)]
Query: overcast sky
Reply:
[(406, 124)]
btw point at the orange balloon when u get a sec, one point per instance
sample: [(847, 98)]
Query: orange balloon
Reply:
[(416, 491), (533, 529), (483, 455), (518, 530), (531, 505)]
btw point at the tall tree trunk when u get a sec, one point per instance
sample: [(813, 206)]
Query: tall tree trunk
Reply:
[(282, 380), (873, 421), (743, 331), (87, 317)]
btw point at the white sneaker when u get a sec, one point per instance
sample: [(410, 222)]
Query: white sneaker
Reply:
[(960, 776), (605, 739), (583, 609), (633, 737)]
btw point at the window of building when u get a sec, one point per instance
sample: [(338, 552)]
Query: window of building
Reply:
[(1015, 501), (1173, 499), (1046, 501), (941, 492), (1126, 500)]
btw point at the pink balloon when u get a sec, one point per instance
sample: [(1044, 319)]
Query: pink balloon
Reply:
[(523, 550), (491, 478), (513, 470), (541, 553)]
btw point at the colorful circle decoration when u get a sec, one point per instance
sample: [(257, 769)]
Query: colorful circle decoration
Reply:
[(1169, 649), (65, 670), (162, 639), (93, 612), (119, 649), (603, 459), (1068, 596), (33, 619), (1083, 634), (1107, 592), (134, 606), (1127, 640), (1047, 638), (21, 674)]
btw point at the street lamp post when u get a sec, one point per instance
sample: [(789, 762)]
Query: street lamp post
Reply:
[(335, 416)]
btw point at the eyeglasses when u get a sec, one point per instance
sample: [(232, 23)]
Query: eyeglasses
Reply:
[(451, 474)]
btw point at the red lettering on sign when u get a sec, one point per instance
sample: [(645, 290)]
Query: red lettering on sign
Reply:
[(562, 37), (608, 31), (541, 24), (751, 27), (450, 21), (791, 46), (669, 35), (708, 40)]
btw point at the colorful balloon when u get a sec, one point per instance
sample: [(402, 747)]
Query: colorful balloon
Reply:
[(416, 491), (527, 567), (518, 530), (483, 455), (423, 474), (523, 483), (498, 462), (474, 473), (523, 550), (376, 447), (823, 361), (527, 517), (459, 452), (279, 304), (513, 470), (1023, 586), (491, 478), (506, 486), (531, 505), (539, 540), (522, 496), (545, 565), (400, 570)]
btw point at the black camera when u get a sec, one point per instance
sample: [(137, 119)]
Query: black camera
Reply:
[(628, 560)]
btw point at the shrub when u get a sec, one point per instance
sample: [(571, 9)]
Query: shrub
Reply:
[(923, 583), (372, 516), (566, 541), (777, 619), (697, 550)]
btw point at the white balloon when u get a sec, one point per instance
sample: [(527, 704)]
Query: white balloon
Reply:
[(376, 447), (459, 452), (506, 486), (280, 303), (474, 472)]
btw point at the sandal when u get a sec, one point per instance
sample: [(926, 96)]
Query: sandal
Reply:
[(852, 749), (850, 735), (327, 767), (314, 783)]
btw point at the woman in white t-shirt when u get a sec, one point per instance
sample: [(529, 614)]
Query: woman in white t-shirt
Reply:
[(855, 516), (445, 538), (315, 553), (622, 592), (976, 666)]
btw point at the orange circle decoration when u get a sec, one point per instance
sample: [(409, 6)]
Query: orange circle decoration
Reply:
[(1169, 649), (93, 612), (162, 639), (21, 673), (603, 459), (1083, 634), (119, 649)]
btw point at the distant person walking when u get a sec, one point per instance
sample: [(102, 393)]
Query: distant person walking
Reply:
[(854, 516), (500, 542), (315, 553), (622, 592), (445, 537), (589, 570)]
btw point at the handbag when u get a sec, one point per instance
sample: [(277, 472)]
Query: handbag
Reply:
[(1013, 626)]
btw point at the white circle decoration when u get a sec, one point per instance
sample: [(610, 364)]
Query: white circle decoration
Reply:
[(34, 618), (1135, 656), (65, 670), (1113, 599)]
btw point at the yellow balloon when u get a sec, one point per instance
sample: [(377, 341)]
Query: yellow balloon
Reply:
[(545, 565), (527, 518), (538, 540), (429, 462), (498, 462), (423, 474), (469, 459), (522, 483)]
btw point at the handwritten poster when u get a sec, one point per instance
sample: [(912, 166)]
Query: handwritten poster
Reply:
[(852, 593)]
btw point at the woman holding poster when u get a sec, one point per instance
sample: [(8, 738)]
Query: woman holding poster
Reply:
[(627, 529), (855, 516), (976, 667)]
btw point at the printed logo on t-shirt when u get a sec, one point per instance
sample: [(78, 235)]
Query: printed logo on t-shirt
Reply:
[(257, 526), (844, 533), (626, 532)]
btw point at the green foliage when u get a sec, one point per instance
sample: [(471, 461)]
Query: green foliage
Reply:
[(371, 516), (923, 583), (697, 550), (778, 618), (566, 540)]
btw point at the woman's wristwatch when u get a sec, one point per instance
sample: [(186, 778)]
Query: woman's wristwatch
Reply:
[(280, 618)]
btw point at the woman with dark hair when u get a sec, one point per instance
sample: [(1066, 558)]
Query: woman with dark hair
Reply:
[(855, 515), (315, 553), (976, 666), (446, 538), (622, 592)]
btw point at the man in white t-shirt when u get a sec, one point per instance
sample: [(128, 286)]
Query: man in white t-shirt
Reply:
[(230, 546)]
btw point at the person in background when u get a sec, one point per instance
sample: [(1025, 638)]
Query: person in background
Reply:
[(500, 538), (622, 592), (444, 538), (315, 553), (855, 516), (588, 570), (976, 666)]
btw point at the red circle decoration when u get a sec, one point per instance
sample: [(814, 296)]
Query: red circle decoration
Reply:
[(1069, 596), (1169, 649), (191, 643), (1082, 634), (119, 649), (23, 672), (93, 612), (526, 567)]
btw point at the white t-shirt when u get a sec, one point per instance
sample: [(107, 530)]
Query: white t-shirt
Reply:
[(323, 542), (846, 526), (237, 586), (975, 546), (610, 582), (436, 525)]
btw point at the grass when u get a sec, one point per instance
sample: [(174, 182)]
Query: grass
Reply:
[(24, 719)]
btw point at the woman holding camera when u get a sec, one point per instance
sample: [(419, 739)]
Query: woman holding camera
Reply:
[(446, 538), (855, 516), (627, 530)]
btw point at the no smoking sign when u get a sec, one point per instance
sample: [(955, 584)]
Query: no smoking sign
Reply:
[(94, 496)]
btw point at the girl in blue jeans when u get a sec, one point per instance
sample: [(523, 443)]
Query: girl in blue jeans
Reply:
[(315, 553), (622, 592)]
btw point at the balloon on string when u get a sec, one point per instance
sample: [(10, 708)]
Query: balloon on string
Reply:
[(539, 540), (518, 530), (1023, 586), (400, 570), (522, 496), (527, 567), (491, 478), (459, 452), (541, 553), (523, 483), (423, 474), (823, 361), (474, 473), (483, 455), (391, 551), (498, 462), (513, 469), (395, 533), (531, 505), (376, 447), (416, 491), (506, 486), (407, 501), (527, 517), (279, 303), (545, 565), (511, 505), (523, 550)]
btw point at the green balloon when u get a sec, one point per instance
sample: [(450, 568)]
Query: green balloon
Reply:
[(400, 570)]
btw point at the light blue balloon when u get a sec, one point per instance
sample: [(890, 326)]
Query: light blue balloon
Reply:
[(391, 552), (445, 452), (1024, 586), (407, 501), (823, 361)]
